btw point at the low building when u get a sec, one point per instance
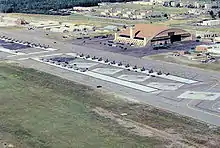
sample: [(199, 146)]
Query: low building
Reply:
[(82, 9), (215, 48), (118, 11), (110, 28), (149, 34), (125, 15), (197, 5), (216, 40), (144, 2), (208, 6), (209, 23), (143, 13), (172, 3), (139, 17), (103, 13), (129, 12), (180, 4), (206, 34), (157, 1), (201, 48), (21, 22), (196, 11)]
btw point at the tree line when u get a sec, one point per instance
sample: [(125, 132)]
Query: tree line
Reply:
[(43, 6)]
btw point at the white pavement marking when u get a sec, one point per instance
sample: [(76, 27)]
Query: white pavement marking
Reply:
[(165, 86), (11, 56), (56, 54), (106, 78), (51, 49), (216, 105), (71, 54), (120, 82), (83, 64), (21, 59), (170, 77), (178, 79), (107, 71), (135, 78), (199, 95), (39, 52), (203, 111)]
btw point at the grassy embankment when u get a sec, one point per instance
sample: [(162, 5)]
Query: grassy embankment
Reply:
[(43, 111)]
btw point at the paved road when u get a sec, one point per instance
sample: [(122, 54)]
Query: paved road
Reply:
[(166, 100)]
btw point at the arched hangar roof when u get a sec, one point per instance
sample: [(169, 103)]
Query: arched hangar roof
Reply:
[(151, 31)]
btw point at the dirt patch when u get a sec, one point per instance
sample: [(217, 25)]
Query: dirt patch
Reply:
[(9, 141), (174, 140)]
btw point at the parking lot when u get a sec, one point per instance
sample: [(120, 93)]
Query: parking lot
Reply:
[(107, 44), (19, 47)]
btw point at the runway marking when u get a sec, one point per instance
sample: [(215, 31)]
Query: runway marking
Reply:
[(83, 64), (51, 49), (71, 54), (107, 71), (106, 78), (21, 59), (37, 52), (55, 54), (10, 56), (196, 109), (215, 104), (216, 84), (165, 86), (135, 78), (212, 86), (199, 95)]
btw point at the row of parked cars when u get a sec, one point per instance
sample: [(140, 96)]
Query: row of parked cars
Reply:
[(120, 64), (113, 44), (28, 44)]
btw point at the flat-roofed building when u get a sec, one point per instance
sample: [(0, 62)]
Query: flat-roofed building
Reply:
[(206, 34), (210, 23), (215, 48)]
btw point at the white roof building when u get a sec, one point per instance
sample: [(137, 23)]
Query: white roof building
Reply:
[(210, 23), (214, 48), (208, 6)]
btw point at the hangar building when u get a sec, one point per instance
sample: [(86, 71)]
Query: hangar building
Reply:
[(149, 34)]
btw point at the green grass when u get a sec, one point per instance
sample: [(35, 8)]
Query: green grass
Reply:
[(45, 111)]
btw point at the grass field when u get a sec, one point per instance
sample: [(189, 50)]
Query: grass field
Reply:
[(42, 114), (38, 110)]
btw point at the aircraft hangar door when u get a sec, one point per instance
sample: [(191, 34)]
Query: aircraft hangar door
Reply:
[(175, 38)]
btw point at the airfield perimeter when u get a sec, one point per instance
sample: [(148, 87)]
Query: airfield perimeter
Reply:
[(205, 107)]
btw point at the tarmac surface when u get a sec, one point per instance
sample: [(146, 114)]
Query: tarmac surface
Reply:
[(103, 44), (166, 94)]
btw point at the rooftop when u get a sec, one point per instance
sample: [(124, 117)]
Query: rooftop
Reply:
[(145, 30)]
